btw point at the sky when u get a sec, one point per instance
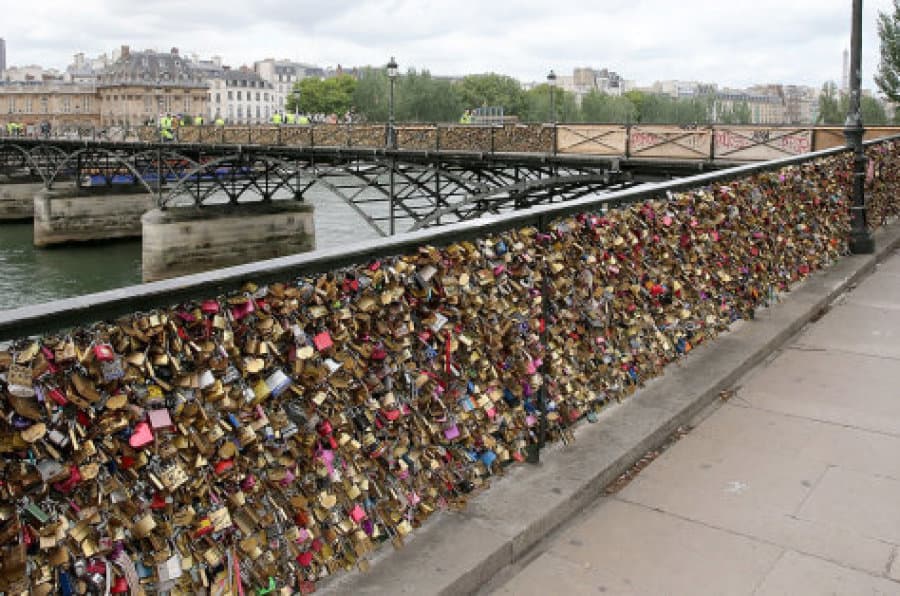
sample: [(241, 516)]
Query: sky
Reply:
[(734, 43)]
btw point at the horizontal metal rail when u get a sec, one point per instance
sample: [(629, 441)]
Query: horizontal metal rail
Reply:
[(61, 314)]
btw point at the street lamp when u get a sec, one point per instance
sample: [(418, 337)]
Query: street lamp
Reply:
[(392, 73), (861, 242), (551, 80)]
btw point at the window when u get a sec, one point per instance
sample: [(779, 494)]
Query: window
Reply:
[(240, 112), (257, 112), (239, 96), (265, 97), (257, 96), (218, 98), (230, 96)]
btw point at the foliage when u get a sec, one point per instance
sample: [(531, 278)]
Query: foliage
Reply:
[(538, 108), (601, 107), (318, 96), (493, 90), (888, 76), (832, 106)]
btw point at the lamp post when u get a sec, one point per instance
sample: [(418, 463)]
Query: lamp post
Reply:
[(861, 242), (551, 80), (392, 72)]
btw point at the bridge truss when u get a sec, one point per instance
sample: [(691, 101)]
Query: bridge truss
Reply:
[(391, 190)]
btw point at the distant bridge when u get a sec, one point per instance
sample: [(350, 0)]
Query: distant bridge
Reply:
[(439, 173)]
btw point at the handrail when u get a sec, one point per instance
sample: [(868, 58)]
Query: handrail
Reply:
[(110, 304)]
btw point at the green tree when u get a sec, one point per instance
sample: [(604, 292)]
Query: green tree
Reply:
[(872, 112), (888, 76), (604, 108), (328, 96), (421, 98), (538, 109), (371, 94), (832, 107), (493, 90)]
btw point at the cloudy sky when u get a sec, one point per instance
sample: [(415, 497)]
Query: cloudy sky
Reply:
[(732, 42)]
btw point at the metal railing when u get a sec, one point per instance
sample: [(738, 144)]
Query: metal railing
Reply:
[(69, 312)]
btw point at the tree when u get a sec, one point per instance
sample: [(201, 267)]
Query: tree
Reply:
[(872, 111), (318, 96), (492, 90), (604, 108), (832, 108), (888, 76), (421, 98), (538, 109)]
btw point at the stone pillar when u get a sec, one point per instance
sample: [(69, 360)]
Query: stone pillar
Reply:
[(62, 216), (17, 199), (185, 240)]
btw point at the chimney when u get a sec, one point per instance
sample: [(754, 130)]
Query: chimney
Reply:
[(126, 51)]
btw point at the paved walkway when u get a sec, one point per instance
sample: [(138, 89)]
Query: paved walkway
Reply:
[(791, 487)]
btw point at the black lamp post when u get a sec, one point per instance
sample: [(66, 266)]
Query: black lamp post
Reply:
[(551, 80), (392, 73), (861, 242)]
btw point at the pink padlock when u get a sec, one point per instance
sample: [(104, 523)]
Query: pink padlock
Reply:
[(357, 514)]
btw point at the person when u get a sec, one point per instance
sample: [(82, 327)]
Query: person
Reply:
[(276, 118), (303, 120), (198, 120), (289, 118), (165, 127), (219, 121), (466, 117)]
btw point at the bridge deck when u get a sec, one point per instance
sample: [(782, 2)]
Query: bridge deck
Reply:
[(789, 488)]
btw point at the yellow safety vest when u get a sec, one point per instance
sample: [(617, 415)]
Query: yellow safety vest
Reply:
[(276, 118), (220, 122)]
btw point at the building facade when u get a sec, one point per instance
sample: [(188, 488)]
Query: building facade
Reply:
[(283, 75), (140, 86), (241, 97), (65, 106)]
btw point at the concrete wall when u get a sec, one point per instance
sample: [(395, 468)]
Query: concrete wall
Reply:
[(180, 241), (61, 217), (17, 199)]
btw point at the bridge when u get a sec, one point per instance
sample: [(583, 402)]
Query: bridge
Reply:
[(277, 422), (438, 174)]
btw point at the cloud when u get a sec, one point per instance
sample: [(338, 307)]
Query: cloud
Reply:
[(733, 43)]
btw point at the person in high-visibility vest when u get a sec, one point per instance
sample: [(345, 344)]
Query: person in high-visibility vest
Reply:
[(198, 120), (276, 118), (10, 128), (289, 118), (303, 119), (219, 121), (466, 118), (165, 128)]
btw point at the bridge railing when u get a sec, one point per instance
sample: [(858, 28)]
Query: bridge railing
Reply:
[(705, 143), (356, 391)]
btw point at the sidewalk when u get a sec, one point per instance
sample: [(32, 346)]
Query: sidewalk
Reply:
[(792, 486)]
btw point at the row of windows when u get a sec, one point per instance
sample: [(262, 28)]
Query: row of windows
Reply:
[(69, 104), (265, 96), (243, 83)]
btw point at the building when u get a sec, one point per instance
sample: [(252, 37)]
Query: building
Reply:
[(139, 86), (241, 97), (764, 108), (283, 75), (2, 55), (65, 106), (801, 104), (30, 74)]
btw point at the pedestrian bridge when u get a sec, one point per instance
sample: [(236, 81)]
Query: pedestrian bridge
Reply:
[(276, 423), (438, 174)]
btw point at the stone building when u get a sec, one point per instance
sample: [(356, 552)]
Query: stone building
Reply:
[(241, 97), (65, 106), (139, 86), (283, 75)]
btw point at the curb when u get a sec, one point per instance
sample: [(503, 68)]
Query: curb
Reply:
[(458, 552)]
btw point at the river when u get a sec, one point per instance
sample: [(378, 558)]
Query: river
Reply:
[(30, 275)]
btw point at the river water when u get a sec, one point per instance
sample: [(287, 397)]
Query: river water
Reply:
[(30, 275)]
